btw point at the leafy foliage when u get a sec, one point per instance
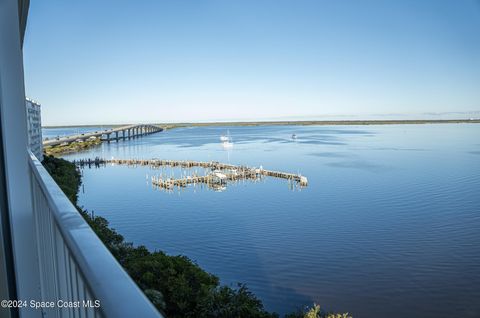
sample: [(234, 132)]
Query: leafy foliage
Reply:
[(315, 312), (227, 302), (65, 174)]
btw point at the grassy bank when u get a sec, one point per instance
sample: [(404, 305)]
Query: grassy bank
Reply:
[(320, 123), (176, 285), (71, 147)]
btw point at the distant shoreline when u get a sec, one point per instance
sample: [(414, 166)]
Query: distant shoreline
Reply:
[(298, 123)]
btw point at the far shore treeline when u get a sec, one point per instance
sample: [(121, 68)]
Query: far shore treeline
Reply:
[(176, 285), (292, 122)]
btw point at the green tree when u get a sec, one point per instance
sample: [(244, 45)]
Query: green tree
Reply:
[(65, 174)]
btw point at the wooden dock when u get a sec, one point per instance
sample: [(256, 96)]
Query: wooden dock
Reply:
[(220, 173)]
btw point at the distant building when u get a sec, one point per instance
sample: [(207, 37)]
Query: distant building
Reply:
[(34, 126)]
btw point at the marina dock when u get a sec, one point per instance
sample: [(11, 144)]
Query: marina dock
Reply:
[(220, 173)]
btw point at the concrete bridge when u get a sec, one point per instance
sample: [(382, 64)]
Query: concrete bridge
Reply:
[(125, 132)]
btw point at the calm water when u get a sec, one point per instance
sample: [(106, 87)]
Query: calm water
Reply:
[(389, 225)]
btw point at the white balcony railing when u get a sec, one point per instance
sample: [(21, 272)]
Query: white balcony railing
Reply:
[(75, 266)]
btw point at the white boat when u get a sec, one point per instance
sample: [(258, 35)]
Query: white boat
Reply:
[(218, 188), (227, 142), (294, 136), (218, 176), (225, 138)]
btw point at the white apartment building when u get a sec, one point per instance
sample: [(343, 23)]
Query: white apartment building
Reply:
[(34, 126)]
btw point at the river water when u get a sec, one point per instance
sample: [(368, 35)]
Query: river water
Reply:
[(389, 225)]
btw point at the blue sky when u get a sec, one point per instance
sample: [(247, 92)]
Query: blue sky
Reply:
[(100, 62)]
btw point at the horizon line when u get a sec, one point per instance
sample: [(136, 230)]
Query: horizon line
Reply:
[(289, 122)]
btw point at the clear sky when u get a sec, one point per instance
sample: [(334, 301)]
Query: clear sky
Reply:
[(100, 62)]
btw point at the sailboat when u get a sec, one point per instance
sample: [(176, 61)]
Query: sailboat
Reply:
[(224, 138)]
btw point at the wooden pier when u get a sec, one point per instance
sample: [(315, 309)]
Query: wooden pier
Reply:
[(219, 175)]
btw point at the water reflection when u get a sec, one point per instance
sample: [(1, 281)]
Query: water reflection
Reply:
[(387, 227)]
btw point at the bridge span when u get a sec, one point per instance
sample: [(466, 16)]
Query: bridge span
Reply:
[(124, 132)]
